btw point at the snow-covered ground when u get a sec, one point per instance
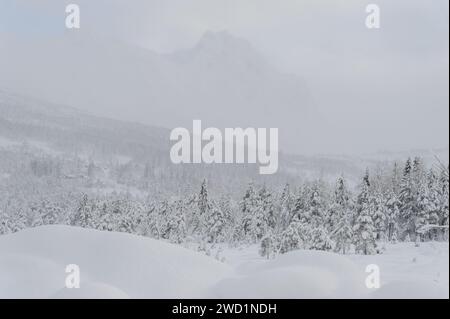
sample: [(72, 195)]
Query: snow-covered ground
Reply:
[(115, 265)]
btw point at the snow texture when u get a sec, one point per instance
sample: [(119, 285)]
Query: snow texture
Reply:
[(116, 265)]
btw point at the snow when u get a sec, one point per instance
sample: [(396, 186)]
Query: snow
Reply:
[(299, 274), (117, 265), (406, 271), (33, 263)]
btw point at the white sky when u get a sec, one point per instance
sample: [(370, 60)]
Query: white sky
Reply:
[(394, 78)]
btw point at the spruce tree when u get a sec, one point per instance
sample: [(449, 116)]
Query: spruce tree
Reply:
[(364, 229), (291, 238), (216, 224), (392, 216), (408, 200), (340, 218)]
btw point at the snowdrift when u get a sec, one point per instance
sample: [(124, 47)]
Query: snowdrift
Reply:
[(112, 265), (299, 274), (117, 265)]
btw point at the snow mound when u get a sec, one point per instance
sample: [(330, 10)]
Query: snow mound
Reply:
[(112, 265), (298, 274)]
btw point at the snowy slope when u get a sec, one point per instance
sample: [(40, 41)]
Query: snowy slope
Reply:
[(33, 262), (115, 265)]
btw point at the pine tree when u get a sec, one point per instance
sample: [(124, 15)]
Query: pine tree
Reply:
[(204, 209), (266, 203), (268, 248), (301, 204), (364, 229), (320, 239), (203, 201), (229, 217), (434, 203), (248, 206), (316, 213), (4, 225), (408, 200), (392, 216), (340, 218), (216, 225), (258, 225), (424, 208), (83, 213), (291, 238), (175, 226), (379, 215), (285, 208), (444, 202)]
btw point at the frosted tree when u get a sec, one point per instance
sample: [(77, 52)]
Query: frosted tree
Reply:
[(203, 200), (4, 227), (396, 178), (265, 201), (301, 204), (424, 208), (364, 229), (379, 215), (285, 208), (216, 224), (418, 172), (408, 199), (258, 225), (46, 213), (248, 206), (268, 247), (316, 210), (204, 209), (157, 219), (433, 205), (340, 218), (392, 216), (229, 215), (291, 238), (83, 213), (444, 201), (175, 227), (320, 239), (105, 221)]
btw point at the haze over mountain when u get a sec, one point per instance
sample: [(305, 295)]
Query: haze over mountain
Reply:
[(222, 81)]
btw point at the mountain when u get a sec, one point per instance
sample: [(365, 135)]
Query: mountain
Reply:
[(42, 139), (222, 81)]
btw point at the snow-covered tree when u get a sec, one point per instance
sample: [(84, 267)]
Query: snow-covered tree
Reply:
[(392, 216), (320, 239), (216, 224), (364, 229), (248, 205), (379, 215), (291, 238), (269, 246), (408, 200), (175, 226), (285, 208), (444, 202), (340, 217), (83, 213)]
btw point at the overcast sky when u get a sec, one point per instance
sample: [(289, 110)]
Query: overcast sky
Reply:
[(392, 80)]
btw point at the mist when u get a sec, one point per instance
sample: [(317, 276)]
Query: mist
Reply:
[(362, 90)]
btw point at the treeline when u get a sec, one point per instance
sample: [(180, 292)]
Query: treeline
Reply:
[(407, 203)]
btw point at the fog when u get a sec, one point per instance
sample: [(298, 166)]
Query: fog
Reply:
[(370, 89)]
